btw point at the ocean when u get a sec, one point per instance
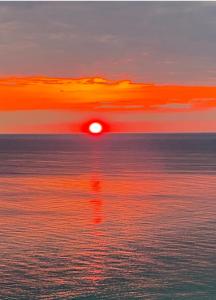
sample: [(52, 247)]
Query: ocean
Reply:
[(120, 216)]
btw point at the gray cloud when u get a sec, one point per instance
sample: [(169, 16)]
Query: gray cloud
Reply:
[(166, 42)]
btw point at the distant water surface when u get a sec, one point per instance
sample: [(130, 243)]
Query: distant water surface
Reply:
[(129, 216)]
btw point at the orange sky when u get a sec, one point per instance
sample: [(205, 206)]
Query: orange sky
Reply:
[(32, 93), (100, 96)]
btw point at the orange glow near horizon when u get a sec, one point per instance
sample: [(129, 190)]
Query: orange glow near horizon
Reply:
[(95, 97), (99, 94)]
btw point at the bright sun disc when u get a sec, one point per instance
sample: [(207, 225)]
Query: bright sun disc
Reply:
[(95, 128)]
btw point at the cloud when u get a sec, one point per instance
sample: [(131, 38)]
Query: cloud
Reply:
[(96, 93), (147, 41), (175, 106)]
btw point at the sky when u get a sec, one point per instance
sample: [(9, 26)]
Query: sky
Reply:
[(140, 66)]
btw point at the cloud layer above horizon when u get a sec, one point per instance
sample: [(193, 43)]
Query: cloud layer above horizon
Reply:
[(43, 104), (159, 42), (100, 94)]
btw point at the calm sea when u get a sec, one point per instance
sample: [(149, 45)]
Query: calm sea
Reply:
[(115, 217)]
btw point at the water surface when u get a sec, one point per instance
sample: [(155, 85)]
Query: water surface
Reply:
[(117, 217)]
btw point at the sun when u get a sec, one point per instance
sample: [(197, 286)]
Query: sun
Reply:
[(95, 128)]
